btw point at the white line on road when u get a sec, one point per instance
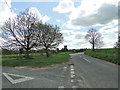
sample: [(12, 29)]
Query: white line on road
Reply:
[(24, 78), (74, 86), (72, 72), (72, 66), (85, 59), (61, 87), (72, 69), (65, 68), (72, 76), (72, 80)]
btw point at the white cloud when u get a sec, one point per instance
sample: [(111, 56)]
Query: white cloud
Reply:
[(109, 42), (63, 24), (89, 13), (79, 36), (15, 9), (58, 20), (74, 40), (45, 18), (109, 30), (1, 41), (110, 35), (35, 12), (5, 11), (64, 6), (38, 15)]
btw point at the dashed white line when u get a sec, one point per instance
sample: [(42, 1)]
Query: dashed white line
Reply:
[(72, 80), (72, 66), (72, 69), (72, 76), (72, 72)]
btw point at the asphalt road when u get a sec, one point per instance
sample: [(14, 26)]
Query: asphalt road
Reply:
[(87, 72), (97, 73)]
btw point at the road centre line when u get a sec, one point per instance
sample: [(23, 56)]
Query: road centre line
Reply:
[(72, 69), (72, 72), (85, 59)]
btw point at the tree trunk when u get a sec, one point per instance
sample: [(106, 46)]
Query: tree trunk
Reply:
[(93, 45), (27, 53), (47, 54)]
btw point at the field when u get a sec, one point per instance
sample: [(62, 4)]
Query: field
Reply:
[(110, 55), (37, 60)]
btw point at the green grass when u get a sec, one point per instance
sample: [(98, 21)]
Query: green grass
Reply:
[(110, 55), (37, 61)]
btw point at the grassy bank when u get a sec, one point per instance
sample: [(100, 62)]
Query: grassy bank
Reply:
[(36, 61), (110, 55)]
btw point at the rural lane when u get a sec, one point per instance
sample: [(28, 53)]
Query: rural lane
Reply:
[(82, 71), (97, 73)]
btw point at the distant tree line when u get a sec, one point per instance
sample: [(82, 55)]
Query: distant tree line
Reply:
[(41, 51)]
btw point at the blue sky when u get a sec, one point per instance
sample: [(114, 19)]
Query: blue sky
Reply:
[(45, 8), (74, 18)]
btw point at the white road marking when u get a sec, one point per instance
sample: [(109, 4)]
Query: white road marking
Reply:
[(72, 76), (74, 86), (70, 57), (72, 69), (71, 66), (85, 59), (77, 53), (72, 80), (65, 68), (72, 72), (24, 78), (61, 87)]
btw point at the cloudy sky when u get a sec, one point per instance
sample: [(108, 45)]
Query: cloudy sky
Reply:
[(74, 17)]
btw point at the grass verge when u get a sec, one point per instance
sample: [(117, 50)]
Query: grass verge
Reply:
[(110, 55), (37, 61)]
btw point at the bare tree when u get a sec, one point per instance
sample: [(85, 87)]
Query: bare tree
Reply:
[(94, 38), (49, 36), (19, 33), (116, 45), (119, 39)]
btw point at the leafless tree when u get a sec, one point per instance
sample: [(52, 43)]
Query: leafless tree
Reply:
[(116, 45), (94, 38), (49, 36), (119, 39), (19, 33)]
